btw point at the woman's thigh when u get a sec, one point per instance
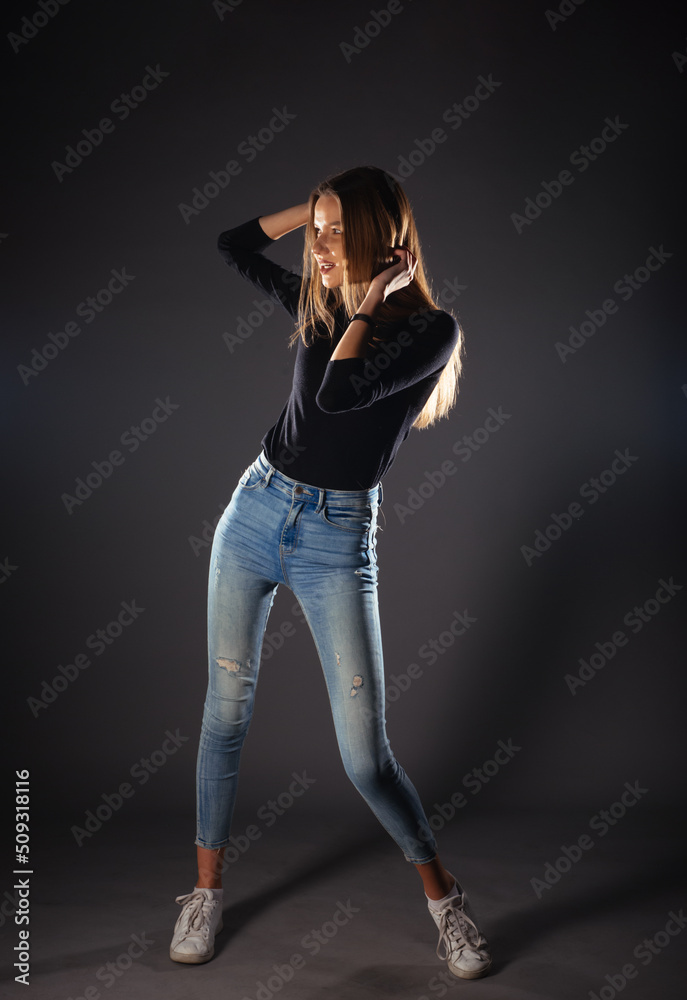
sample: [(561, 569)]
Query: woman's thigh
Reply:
[(335, 578), (243, 580)]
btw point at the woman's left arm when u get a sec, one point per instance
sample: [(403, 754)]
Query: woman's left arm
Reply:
[(422, 345), (357, 334), (419, 347)]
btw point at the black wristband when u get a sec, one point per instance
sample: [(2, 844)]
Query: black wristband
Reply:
[(364, 316)]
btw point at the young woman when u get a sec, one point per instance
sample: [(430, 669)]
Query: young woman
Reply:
[(375, 358)]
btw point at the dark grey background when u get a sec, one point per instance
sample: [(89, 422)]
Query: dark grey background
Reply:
[(626, 388)]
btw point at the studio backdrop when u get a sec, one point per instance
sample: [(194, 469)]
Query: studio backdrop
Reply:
[(532, 583)]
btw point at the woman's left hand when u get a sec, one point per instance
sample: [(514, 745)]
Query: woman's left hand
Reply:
[(398, 275)]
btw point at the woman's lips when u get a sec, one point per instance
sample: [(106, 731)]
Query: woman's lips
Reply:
[(326, 267)]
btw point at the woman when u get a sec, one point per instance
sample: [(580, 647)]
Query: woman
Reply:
[(375, 358)]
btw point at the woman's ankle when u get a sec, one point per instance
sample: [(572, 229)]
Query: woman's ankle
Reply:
[(209, 864)]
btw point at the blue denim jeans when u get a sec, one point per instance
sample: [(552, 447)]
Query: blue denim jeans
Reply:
[(321, 545)]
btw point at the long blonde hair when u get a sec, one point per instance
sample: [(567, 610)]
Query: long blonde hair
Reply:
[(375, 215)]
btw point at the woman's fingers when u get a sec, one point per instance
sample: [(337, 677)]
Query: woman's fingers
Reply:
[(407, 258)]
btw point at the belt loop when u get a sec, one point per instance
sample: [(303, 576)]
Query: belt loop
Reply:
[(269, 475), (320, 501)]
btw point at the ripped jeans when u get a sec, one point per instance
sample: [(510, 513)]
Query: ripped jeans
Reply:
[(321, 545)]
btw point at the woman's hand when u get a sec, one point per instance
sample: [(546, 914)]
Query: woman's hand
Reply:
[(398, 275)]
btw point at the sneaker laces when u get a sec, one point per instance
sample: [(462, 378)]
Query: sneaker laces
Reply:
[(194, 917), (457, 931)]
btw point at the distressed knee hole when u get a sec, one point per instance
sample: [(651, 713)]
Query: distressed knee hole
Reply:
[(357, 684), (233, 666)]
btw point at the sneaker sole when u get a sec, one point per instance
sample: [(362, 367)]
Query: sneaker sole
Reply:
[(190, 959), (178, 956), (460, 974)]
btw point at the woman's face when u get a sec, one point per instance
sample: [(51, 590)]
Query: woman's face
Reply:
[(328, 246)]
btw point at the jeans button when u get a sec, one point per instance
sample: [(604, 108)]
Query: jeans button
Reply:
[(299, 489)]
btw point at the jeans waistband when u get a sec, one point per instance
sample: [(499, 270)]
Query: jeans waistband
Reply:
[(309, 492)]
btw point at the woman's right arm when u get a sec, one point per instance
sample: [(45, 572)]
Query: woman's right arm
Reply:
[(280, 223), (242, 249)]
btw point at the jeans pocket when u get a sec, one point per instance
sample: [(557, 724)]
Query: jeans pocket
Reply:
[(351, 518), (251, 478)]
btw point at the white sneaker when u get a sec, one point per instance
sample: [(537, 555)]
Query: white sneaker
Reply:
[(466, 949), (194, 932)]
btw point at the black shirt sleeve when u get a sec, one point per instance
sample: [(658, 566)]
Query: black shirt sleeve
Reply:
[(413, 350), (241, 248)]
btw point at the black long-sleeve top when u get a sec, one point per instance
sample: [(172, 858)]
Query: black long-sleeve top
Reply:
[(344, 420)]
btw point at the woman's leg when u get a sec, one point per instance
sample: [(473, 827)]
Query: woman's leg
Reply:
[(210, 867), (436, 880), (333, 573), (338, 594), (240, 598), (242, 586)]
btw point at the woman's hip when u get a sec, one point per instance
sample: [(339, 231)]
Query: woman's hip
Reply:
[(281, 526)]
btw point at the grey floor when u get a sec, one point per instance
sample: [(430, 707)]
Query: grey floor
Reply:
[(90, 904)]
